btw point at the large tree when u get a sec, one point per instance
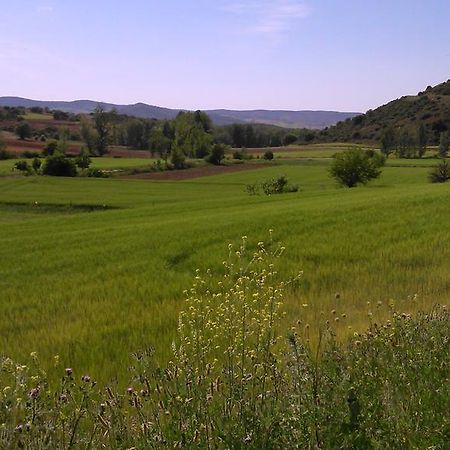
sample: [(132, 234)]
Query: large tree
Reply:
[(422, 140), (444, 144), (24, 130), (101, 123), (356, 166)]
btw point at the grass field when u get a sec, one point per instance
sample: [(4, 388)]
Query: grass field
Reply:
[(37, 116), (95, 286), (97, 163)]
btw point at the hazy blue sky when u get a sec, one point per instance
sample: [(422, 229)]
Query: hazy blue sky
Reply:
[(347, 55)]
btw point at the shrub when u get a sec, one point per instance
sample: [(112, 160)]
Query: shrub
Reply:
[(24, 130), (22, 166), (29, 154), (178, 159), (36, 164), (242, 154), (97, 173), (440, 173), (268, 154), (277, 185), (5, 154), (50, 148), (217, 154), (83, 161), (354, 167), (59, 165)]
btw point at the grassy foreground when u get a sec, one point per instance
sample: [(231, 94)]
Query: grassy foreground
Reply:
[(93, 287), (236, 381)]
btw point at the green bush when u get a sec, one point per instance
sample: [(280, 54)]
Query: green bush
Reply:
[(277, 185), (440, 173), (5, 154), (97, 173), (268, 154), (242, 155), (217, 154), (50, 148), (355, 166), (59, 165), (22, 166)]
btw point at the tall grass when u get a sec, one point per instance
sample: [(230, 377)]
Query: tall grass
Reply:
[(95, 286), (238, 379)]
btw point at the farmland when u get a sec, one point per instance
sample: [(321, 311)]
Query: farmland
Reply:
[(95, 285)]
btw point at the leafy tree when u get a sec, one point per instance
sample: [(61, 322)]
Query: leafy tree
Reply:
[(354, 167), (59, 165), (217, 154), (101, 123), (178, 158), (24, 130), (388, 141), (422, 140), (88, 133), (203, 120), (290, 139), (160, 143), (3, 153), (36, 164), (190, 135), (440, 173), (405, 145), (444, 144), (50, 148), (83, 161)]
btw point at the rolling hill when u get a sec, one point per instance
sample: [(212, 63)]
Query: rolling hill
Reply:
[(430, 108), (289, 119)]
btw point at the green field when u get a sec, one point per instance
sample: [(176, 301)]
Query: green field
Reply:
[(37, 116), (95, 286), (97, 163)]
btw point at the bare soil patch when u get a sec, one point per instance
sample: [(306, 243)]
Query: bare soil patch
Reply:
[(196, 172)]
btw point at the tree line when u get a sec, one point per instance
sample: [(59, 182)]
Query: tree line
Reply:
[(407, 143)]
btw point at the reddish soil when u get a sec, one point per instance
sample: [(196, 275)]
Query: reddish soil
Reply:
[(124, 152), (196, 172), (17, 146), (42, 124)]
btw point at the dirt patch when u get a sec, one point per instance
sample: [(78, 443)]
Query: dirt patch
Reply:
[(197, 172), (17, 147), (123, 152)]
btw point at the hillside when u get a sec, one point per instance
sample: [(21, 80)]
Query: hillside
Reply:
[(430, 108), (289, 119)]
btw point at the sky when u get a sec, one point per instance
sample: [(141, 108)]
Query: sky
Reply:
[(341, 55)]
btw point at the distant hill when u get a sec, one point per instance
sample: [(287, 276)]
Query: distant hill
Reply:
[(430, 107), (289, 119)]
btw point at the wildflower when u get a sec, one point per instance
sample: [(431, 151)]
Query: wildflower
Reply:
[(34, 393), (129, 390), (69, 371), (86, 378), (19, 428)]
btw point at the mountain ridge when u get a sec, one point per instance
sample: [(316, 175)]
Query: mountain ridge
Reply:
[(314, 119)]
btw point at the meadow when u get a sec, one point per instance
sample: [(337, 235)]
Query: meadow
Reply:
[(93, 286)]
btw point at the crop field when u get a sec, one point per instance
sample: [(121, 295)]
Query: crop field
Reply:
[(95, 269)]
